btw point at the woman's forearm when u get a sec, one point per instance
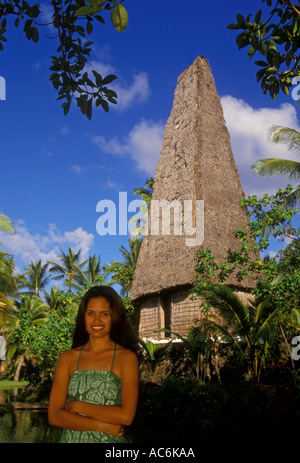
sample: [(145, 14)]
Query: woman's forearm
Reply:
[(115, 414), (67, 420)]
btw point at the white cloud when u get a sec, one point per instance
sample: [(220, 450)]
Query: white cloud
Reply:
[(76, 169), (143, 145), (250, 131), (137, 91), (27, 247)]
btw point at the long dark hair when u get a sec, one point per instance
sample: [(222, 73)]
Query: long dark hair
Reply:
[(121, 331)]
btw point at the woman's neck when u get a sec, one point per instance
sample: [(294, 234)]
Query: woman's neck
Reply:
[(97, 345)]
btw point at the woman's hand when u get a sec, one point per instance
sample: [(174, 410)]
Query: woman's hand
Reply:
[(107, 428), (71, 406), (112, 429)]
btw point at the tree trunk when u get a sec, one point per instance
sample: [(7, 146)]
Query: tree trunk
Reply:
[(19, 366)]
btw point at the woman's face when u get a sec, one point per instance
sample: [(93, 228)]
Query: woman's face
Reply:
[(98, 317)]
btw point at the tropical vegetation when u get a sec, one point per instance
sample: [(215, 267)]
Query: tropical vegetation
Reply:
[(74, 21), (254, 337), (287, 168), (273, 34)]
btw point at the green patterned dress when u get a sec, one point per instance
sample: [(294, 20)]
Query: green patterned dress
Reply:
[(99, 387)]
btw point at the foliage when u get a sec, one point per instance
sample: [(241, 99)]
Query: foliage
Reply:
[(6, 224), (266, 212), (35, 278), (69, 268), (154, 354), (197, 343), (255, 324), (285, 167), (123, 272), (275, 35), (140, 223), (73, 21), (276, 307)]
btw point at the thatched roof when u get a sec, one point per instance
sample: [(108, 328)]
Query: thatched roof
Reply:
[(196, 163)]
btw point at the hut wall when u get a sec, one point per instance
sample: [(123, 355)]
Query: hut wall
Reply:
[(175, 311)]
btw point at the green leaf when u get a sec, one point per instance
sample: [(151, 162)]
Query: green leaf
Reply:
[(88, 10), (119, 18), (108, 79), (89, 27), (98, 78), (242, 40), (233, 26), (257, 16), (261, 63), (240, 20), (35, 35), (251, 52)]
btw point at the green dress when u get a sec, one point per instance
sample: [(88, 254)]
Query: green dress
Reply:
[(99, 387)]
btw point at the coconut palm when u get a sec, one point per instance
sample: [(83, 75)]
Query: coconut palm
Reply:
[(53, 298), (6, 224), (123, 271), (35, 278), (93, 273), (36, 311), (285, 167), (8, 283), (253, 327), (146, 195), (131, 255), (69, 269), (145, 192)]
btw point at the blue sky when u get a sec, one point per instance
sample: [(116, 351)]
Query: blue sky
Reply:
[(56, 168)]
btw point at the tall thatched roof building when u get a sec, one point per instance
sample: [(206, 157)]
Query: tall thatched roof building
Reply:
[(198, 179)]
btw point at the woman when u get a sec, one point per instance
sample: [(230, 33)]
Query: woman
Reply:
[(95, 390)]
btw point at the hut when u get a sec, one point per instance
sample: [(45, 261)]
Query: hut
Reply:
[(195, 205)]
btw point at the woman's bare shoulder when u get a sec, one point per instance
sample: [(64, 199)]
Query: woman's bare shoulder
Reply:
[(126, 354), (69, 356)]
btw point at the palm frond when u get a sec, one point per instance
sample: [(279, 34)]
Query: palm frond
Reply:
[(6, 224), (277, 166), (222, 297), (287, 136)]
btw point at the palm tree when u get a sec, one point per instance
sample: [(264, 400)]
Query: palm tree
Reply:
[(93, 274), (69, 269), (256, 324), (8, 283), (146, 195), (35, 278), (36, 311), (6, 224), (146, 192), (123, 272), (131, 255), (285, 167), (53, 298)]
